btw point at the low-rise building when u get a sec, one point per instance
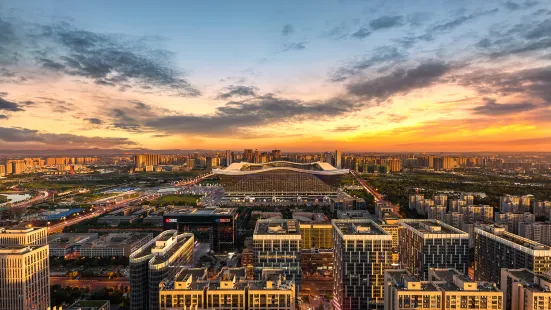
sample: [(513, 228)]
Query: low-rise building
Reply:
[(524, 289), (445, 289), (114, 244), (230, 289), (68, 243)]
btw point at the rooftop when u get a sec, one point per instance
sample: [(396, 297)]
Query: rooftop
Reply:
[(431, 228), (118, 240), (533, 281), (277, 227), (243, 168), (521, 243), (403, 281), (145, 250), (347, 227)]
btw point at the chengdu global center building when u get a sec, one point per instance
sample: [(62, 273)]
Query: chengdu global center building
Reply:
[(280, 179)]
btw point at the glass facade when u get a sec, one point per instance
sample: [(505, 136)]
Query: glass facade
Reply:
[(280, 182), (219, 230), (360, 260)]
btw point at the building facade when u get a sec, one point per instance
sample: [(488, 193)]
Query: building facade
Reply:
[(156, 260), (496, 248), (280, 179), (24, 269), (277, 244), (217, 227), (428, 244), (363, 251)]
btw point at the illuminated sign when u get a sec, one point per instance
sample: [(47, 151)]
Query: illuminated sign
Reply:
[(224, 220), (171, 220)]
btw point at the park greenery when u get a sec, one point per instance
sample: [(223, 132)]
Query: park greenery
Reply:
[(3, 198), (179, 200)]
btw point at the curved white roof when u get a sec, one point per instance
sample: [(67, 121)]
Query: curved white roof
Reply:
[(238, 168)]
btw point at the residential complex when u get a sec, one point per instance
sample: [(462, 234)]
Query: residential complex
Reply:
[(428, 244), (445, 289), (524, 289), (496, 248), (229, 289), (362, 252)]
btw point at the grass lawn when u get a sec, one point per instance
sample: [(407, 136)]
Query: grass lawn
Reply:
[(182, 200)]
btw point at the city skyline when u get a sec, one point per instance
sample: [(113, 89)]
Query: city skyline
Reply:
[(315, 75)]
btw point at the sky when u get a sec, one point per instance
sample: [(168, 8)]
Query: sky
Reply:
[(356, 75)]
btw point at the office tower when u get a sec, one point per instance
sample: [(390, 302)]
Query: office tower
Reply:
[(338, 159), (158, 259), (316, 236), (24, 270), (446, 289), (363, 251), (229, 158), (496, 248), (428, 244), (540, 207), (2, 170), (217, 227), (277, 244), (524, 289), (23, 236)]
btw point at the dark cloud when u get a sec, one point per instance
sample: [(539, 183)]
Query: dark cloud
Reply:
[(294, 46), (510, 5), (121, 120), (409, 41), (400, 81), (22, 135), (260, 111), (385, 22), (344, 128), (450, 25), (492, 108), (338, 32), (140, 105), (110, 60), (381, 55), (532, 84), (94, 121), (2, 116), (237, 91), (518, 39), (361, 33), (287, 30), (3, 93), (9, 106)]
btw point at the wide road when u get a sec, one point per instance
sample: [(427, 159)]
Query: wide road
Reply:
[(378, 196), (31, 201), (194, 181), (93, 284)]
